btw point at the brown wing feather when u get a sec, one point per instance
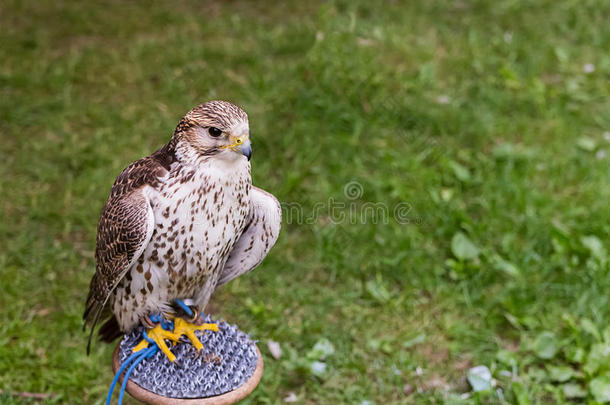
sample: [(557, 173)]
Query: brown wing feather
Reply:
[(124, 229)]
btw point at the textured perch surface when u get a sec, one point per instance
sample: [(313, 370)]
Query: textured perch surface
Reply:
[(228, 361)]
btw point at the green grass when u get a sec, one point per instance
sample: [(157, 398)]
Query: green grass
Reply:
[(479, 115)]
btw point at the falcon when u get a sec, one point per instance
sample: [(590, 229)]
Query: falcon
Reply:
[(177, 225)]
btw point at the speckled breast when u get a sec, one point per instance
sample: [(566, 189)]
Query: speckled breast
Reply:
[(198, 219)]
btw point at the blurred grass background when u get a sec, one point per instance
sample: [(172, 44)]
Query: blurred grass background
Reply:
[(488, 120)]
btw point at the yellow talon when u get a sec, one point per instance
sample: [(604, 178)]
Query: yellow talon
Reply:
[(141, 346), (182, 327), (158, 335)]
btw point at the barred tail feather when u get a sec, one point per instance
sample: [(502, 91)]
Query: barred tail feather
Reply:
[(92, 315)]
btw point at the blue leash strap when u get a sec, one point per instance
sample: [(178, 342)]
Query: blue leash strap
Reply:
[(147, 353), (118, 374), (136, 358)]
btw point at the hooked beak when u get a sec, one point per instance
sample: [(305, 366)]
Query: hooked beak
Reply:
[(246, 149)]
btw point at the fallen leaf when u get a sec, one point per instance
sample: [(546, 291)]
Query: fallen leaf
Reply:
[(572, 390), (560, 373), (274, 348), (318, 368), (463, 248), (600, 389), (545, 345), (461, 172), (479, 378), (586, 144), (322, 349)]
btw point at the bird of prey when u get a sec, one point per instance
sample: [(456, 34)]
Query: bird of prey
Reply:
[(177, 225)]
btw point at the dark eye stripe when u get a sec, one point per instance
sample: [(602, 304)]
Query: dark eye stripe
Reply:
[(215, 132)]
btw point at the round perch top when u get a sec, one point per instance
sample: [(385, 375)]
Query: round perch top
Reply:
[(228, 361)]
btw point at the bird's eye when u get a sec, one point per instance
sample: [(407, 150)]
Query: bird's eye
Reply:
[(215, 132)]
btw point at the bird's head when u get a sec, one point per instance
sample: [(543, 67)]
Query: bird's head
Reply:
[(213, 129)]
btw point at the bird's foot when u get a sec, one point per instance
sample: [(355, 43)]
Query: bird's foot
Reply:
[(188, 328), (191, 321), (157, 335)]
